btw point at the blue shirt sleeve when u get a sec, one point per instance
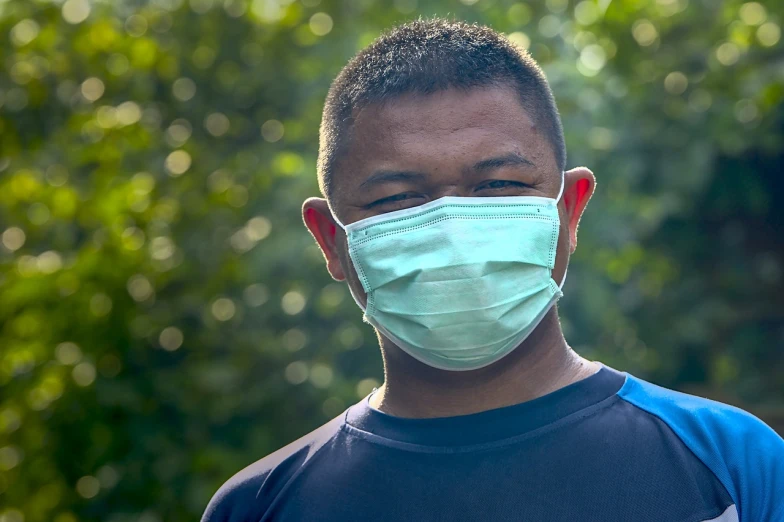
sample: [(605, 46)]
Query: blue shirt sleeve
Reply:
[(744, 453)]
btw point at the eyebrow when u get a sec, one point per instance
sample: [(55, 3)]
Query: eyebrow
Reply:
[(390, 176), (507, 160), (381, 177)]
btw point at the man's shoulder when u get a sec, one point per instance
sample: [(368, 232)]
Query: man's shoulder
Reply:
[(689, 413), (743, 452), (250, 492)]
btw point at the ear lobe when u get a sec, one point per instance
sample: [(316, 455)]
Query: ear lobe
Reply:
[(318, 220), (579, 186)]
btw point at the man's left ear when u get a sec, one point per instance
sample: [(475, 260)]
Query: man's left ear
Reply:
[(579, 184)]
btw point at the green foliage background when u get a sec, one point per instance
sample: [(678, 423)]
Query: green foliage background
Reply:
[(165, 319)]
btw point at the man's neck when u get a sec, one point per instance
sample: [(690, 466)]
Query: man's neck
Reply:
[(542, 364)]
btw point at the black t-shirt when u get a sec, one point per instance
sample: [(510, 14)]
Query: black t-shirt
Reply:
[(608, 448)]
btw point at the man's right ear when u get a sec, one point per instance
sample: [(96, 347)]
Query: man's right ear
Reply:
[(320, 223)]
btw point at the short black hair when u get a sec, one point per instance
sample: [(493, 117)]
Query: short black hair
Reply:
[(426, 56)]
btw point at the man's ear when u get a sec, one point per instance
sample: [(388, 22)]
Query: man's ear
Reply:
[(318, 219), (579, 184)]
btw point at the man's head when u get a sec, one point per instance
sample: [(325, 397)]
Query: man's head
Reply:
[(432, 109), (425, 57)]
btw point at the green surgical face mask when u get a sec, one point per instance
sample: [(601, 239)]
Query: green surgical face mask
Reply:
[(460, 282)]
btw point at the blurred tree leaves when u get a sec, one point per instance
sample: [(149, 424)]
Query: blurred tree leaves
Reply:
[(164, 317)]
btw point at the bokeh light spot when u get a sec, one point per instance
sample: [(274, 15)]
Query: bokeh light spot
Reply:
[(258, 228), (178, 132), (601, 138), (592, 59), (75, 11), (83, 374), (700, 100), (132, 238), (350, 337), (293, 302), (49, 262), (294, 339), (237, 196), (549, 26), (162, 248), (296, 372), (644, 32), (406, 6), (769, 34), (10, 457), (586, 12), (255, 295), (223, 309), (118, 64), (56, 175), (136, 25), (320, 24), (171, 338), (24, 32), (178, 162), (519, 14), (92, 89), (128, 113), (203, 57), (321, 375), (746, 111), (68, 353), (10, 420), (272, 131), (217, 124), (365, 386), (139, 288), (676, 82), (107, 476), (13, 238), (332, 406), (11, 515), (109, 365), (752, 13), (727, 53), (100, 304), (184, 89), (520, 39), (332, 295), (38, 213), (88, 486)]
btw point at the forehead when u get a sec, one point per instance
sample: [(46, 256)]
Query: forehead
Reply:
[(441, 131)]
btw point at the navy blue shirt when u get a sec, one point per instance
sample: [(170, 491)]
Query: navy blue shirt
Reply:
[(608, 448)]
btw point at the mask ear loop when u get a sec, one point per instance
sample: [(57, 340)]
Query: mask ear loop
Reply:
[(563, 184), (335, 217), (560, 193), (351, 290)]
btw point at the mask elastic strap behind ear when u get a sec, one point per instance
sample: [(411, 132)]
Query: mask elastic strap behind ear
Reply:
[(560, 193), (563, 279), (350, 289), (563, 183), (334, 217)]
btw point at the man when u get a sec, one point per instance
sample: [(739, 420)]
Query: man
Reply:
[(449, 215)]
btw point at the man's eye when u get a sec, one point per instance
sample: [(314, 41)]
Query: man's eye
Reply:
[(501, 184), (392, 199)]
